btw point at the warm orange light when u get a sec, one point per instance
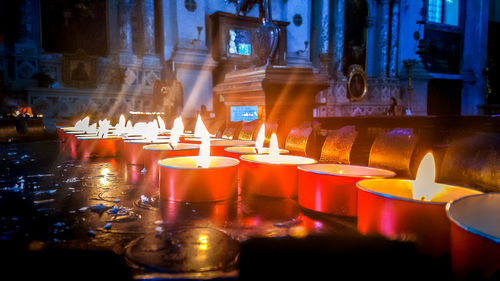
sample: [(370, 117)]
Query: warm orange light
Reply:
[(203, 240), (105, 171), (203, 160), (274, 150), (120, 127), (177, 131), (424, 187), (129, 129), (259, 143)]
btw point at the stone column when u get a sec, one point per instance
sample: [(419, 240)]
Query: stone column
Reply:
[(382, 45), (25, 48), (338, 36), (324, 37), (393, 48), (148, 16), (125, 25)]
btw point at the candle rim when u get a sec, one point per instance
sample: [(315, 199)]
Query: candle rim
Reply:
[(358, 185), (144, 141), (195, 147), (195, 168), (242, 157), (228, 149), (389, 174), (95, 137), (465, 227)]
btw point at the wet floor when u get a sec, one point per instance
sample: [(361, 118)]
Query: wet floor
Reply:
[(49, 199)]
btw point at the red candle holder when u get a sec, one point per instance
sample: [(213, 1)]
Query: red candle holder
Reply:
[(195, 140), (155, 152), (331, 188), (387, 207), (181, 180), (88, 146), (475, 236), (132, 150), (261, 175)]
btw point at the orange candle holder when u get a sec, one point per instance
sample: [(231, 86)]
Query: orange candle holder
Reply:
[(93, 146), (260, 175), (181, 180), (387, 207), (475, 236), (195, 140), (132, 151), (331, 188), (155, 152)]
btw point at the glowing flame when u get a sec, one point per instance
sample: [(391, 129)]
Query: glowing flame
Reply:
[(199, 128), (151, 131), (274, 150), (82, 125), (161, 124), (177, 130), (129, 129), (259, 143), (424, 187), (120, 127), (92, 129), (203, 160), (102, 132)]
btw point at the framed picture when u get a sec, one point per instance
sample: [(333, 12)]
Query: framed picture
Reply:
[(79, 70), (356, 83)]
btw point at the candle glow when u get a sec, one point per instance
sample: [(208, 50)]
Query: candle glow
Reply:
[(203, 160), (274, 150), (199, 128), (259, 143)]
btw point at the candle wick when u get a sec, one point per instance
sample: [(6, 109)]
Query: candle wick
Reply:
[(171, 146)]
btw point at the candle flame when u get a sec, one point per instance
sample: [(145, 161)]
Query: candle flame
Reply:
[(102, 132), (424, 187), (151, 131), (92, 129), (274, 150), (161, 124), (129, 129), (203, 160), (82, 125), (120, 127), (199, 128), (259, 142), (177, 130)]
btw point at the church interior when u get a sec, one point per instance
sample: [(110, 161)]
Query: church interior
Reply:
[(250, 139)]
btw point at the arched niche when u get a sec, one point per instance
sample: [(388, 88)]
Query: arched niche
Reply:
[(355, 34)]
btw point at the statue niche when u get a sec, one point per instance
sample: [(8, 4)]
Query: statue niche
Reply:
[(355, 34)]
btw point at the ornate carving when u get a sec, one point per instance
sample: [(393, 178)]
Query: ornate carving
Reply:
[(79, 70)]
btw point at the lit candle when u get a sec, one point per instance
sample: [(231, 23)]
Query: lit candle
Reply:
[(475, 236), (407, 209), (271, 174), (331, 188), (155, 152), (237, 151), (201, 178), (98, 146)]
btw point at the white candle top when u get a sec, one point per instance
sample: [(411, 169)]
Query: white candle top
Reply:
[(179, 146), (479, 214), (348, 171), (280, 160), (94, 137), (402, 189)]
